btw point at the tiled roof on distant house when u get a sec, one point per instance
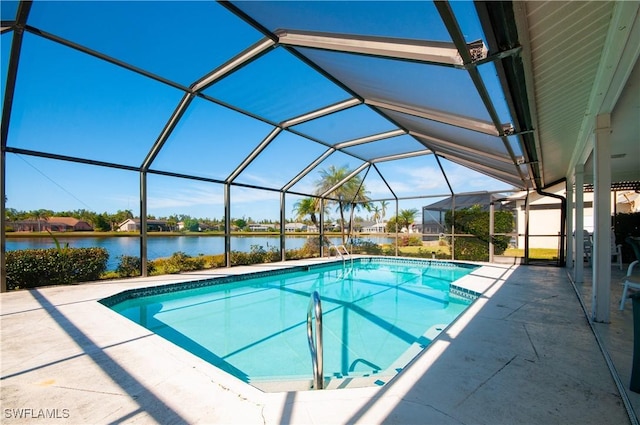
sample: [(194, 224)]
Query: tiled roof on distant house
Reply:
[(63, 224)]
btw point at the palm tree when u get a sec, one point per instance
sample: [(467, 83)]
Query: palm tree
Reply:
[(350, 195), (353, 206), (307, 206), (376, 213), (383, 208), (40, 215), (407, 217)]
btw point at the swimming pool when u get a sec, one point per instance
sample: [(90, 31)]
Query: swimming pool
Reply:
[(378, 313)]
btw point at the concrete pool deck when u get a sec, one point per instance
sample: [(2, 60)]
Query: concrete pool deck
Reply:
[(523, 353)]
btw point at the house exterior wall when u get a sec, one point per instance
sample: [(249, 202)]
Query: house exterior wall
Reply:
[(544, 220), (375, 228), (128, 225)]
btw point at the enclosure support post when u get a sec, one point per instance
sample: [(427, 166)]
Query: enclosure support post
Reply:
[(282, 227), (579, 231), (321, 223), (491, 230), (227, 225), (601, 285), (143, 223), (7, 104), (571, 240), (3, 249), (453, 226), (397, 226)]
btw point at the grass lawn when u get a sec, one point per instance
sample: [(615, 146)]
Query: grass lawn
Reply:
[(428, 249), (538, 253)]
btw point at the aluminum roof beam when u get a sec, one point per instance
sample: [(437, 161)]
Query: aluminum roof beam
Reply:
[(442, 117), (498, 174), (433, 52), (368, 139), (249, 159), (320, 112), (460, 147), (243, 58), (401, 156), (233, 64), (346, 179), (511, 74), (308, 169), (449, 19), (375, 167), (339, 146), (104, 57), (167, 130), (12, 73)]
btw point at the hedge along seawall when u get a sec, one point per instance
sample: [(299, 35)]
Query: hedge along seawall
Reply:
[(31, 268)]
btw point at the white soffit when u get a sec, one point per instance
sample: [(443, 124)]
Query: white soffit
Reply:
[(567, 39)]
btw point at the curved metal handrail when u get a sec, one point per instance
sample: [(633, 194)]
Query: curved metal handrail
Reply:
[(315, 346), (341, 251)]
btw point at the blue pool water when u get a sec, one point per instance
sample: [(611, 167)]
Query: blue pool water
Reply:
[(376, 314)]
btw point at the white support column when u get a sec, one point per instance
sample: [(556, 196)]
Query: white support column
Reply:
[(579, 264), (571, 240), (602, 220)]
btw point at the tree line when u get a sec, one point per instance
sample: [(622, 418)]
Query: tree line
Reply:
[(345, 195)]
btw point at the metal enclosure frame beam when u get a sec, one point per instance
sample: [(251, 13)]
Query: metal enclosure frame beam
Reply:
[(432, 52), (12, 72)]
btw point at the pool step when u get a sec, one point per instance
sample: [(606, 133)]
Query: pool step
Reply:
[(330, 383)]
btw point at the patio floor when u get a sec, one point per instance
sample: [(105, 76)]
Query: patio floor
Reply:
[(524, 353)]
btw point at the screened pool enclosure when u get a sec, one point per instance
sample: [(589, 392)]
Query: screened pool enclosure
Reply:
[(238, 107)]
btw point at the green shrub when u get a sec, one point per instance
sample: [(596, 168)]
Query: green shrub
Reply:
[(406, 240), (239, 258), (178, 262), (130, 266), (213, 261), (474, 221), (360, 246), (31, 268), (311, 248), (256, 255), (469, 248)]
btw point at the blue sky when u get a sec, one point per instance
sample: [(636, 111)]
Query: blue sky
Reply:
[(69, 103)]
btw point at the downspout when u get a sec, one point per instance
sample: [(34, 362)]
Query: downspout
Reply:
[(563, 217)]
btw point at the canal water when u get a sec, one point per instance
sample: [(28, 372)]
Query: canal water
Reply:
[(165, 246)]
